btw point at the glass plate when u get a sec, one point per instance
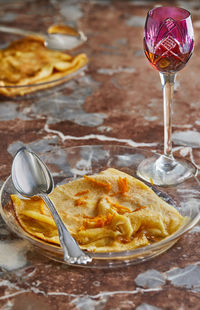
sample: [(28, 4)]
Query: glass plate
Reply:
[(71, 163), (29, 90)]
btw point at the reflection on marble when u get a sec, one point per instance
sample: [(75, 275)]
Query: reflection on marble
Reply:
[(188, 138), (188, 277), (151, 278), (147, 307), (114, 71), (13, 254)]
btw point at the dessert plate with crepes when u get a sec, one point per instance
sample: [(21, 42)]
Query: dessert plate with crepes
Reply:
[(112, 214), (27, 65)]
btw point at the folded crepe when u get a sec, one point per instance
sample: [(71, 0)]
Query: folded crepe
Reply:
[(106, 212), (28, 62)]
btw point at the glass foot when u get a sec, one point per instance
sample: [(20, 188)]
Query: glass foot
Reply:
[(164, 171)]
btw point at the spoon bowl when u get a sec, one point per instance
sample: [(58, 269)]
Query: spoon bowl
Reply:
[(53, 40), (37, 178), (31, 177)]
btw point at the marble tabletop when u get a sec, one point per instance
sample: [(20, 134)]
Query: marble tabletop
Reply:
[(117, 100)]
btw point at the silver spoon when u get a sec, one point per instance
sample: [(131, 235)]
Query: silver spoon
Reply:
[(31, 177), (57, 41)]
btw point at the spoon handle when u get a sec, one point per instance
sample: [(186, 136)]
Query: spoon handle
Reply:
[(72, 252), (22, 32)]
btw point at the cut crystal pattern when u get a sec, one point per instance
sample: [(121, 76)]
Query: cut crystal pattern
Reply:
[(170, 24), (168, 43)]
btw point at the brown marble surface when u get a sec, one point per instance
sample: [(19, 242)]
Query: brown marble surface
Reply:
[(117, 100)]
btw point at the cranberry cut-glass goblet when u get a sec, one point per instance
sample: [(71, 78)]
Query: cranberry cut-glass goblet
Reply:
[(168, 45)]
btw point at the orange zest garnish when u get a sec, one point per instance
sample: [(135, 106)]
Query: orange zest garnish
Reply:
[(106, 185), (97, 221), (138, 209), (122, 209), (82, 193), (119, 208), (81, 201), (123, 185)]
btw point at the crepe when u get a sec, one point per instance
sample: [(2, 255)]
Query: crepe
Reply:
[(28, 61), (106, 212)]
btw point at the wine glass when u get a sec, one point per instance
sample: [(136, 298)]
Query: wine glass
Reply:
[(168, 45)]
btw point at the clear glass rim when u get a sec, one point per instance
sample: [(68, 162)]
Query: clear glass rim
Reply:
[(62, 79)]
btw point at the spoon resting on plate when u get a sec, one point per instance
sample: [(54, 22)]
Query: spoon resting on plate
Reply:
[(58, 37), (31, 177)]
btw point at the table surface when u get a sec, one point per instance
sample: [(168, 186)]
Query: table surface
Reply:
[(117, 100)]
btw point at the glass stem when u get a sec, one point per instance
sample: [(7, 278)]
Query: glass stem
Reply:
[(167, 81)]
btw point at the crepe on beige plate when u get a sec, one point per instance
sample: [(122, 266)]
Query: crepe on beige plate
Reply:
[(105, 212), (27, 62)]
